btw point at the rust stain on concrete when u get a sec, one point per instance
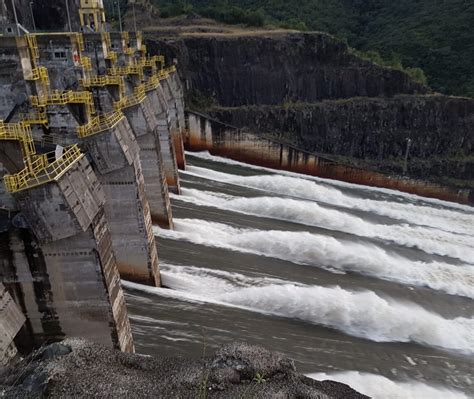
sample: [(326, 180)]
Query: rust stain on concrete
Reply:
[(205, 135)]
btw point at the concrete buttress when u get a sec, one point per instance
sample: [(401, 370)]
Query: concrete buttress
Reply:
[(177, 101), (61, 268), (144, 124), (164, 127), (116, 158), (11, 320)]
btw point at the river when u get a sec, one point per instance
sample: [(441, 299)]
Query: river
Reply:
[(368, 286)]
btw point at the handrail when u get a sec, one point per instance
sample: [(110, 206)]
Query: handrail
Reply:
[(138, 96), (19, 132), (63, 98), (45, 172), (103, 80), (112, 56), (37, 117), (80, 41), (86, 63), (107, 40), (33, 46), (100, 124)]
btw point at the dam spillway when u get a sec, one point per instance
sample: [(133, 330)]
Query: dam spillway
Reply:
[(339, 277)]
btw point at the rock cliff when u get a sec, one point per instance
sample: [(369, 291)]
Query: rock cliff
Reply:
[(310, 90), (277, 67), (375, 131)]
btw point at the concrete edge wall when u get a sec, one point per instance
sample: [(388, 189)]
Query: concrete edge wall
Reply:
[(204, 134)]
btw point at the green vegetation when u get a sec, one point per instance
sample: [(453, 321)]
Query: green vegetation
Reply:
[(221, 11), (417, 74), (259, 378), (434, 36)]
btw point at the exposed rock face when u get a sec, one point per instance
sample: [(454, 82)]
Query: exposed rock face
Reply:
[(309, 90), (76, 368), (272, 68), (441, 130)]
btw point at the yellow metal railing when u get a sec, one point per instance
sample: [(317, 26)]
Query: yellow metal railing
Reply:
[(40, 73), (129, 50), (44, 172), (106, 39), (163, 74), (63, 98), (112, 56), (80, 41), (152, 83), (138, 96), (86, 63), (36, 117), (33, 46), (100, 124), (106, 80), (100, 81), (133, 69), (19, 132)]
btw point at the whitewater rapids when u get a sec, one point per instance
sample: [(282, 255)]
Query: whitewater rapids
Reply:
[(354, 283)]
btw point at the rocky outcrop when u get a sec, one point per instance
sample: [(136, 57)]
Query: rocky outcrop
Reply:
[(310, 90), (76, 368), (273, 68), (375, 130)]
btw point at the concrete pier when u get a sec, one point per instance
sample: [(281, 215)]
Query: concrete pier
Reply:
[(61, 264), (168, 151), (144, 124), (70, 231), (116, 155), (177, 104), (11, 320)]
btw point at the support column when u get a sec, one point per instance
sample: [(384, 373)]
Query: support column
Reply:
[(168, 152), (116, 157), (174, 99), (65, 273), (145, 128), (11, 320)]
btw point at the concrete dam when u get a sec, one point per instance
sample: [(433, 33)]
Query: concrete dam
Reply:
[(90, 132), (111, 232)]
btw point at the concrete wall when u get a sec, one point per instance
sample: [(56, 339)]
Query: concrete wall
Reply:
[(116, 157), (145, 128), (64, 275), (219, 139), (11, 320), (168, 153)]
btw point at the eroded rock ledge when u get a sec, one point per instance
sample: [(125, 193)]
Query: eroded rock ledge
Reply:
[(77, 368)]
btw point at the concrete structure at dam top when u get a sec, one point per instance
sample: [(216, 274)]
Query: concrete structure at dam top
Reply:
[(90, 142)]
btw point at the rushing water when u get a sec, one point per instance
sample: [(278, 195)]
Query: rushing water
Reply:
[(367, 286)]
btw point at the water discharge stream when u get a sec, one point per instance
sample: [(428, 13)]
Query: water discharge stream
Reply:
[(336, 276)]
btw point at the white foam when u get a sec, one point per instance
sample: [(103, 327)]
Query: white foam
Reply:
[(337, 183), (380, 387), (430, 240), (363, 314), (323, 251), (443, 219)]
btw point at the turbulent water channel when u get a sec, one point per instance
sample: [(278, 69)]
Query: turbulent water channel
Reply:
[(369, 286)]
